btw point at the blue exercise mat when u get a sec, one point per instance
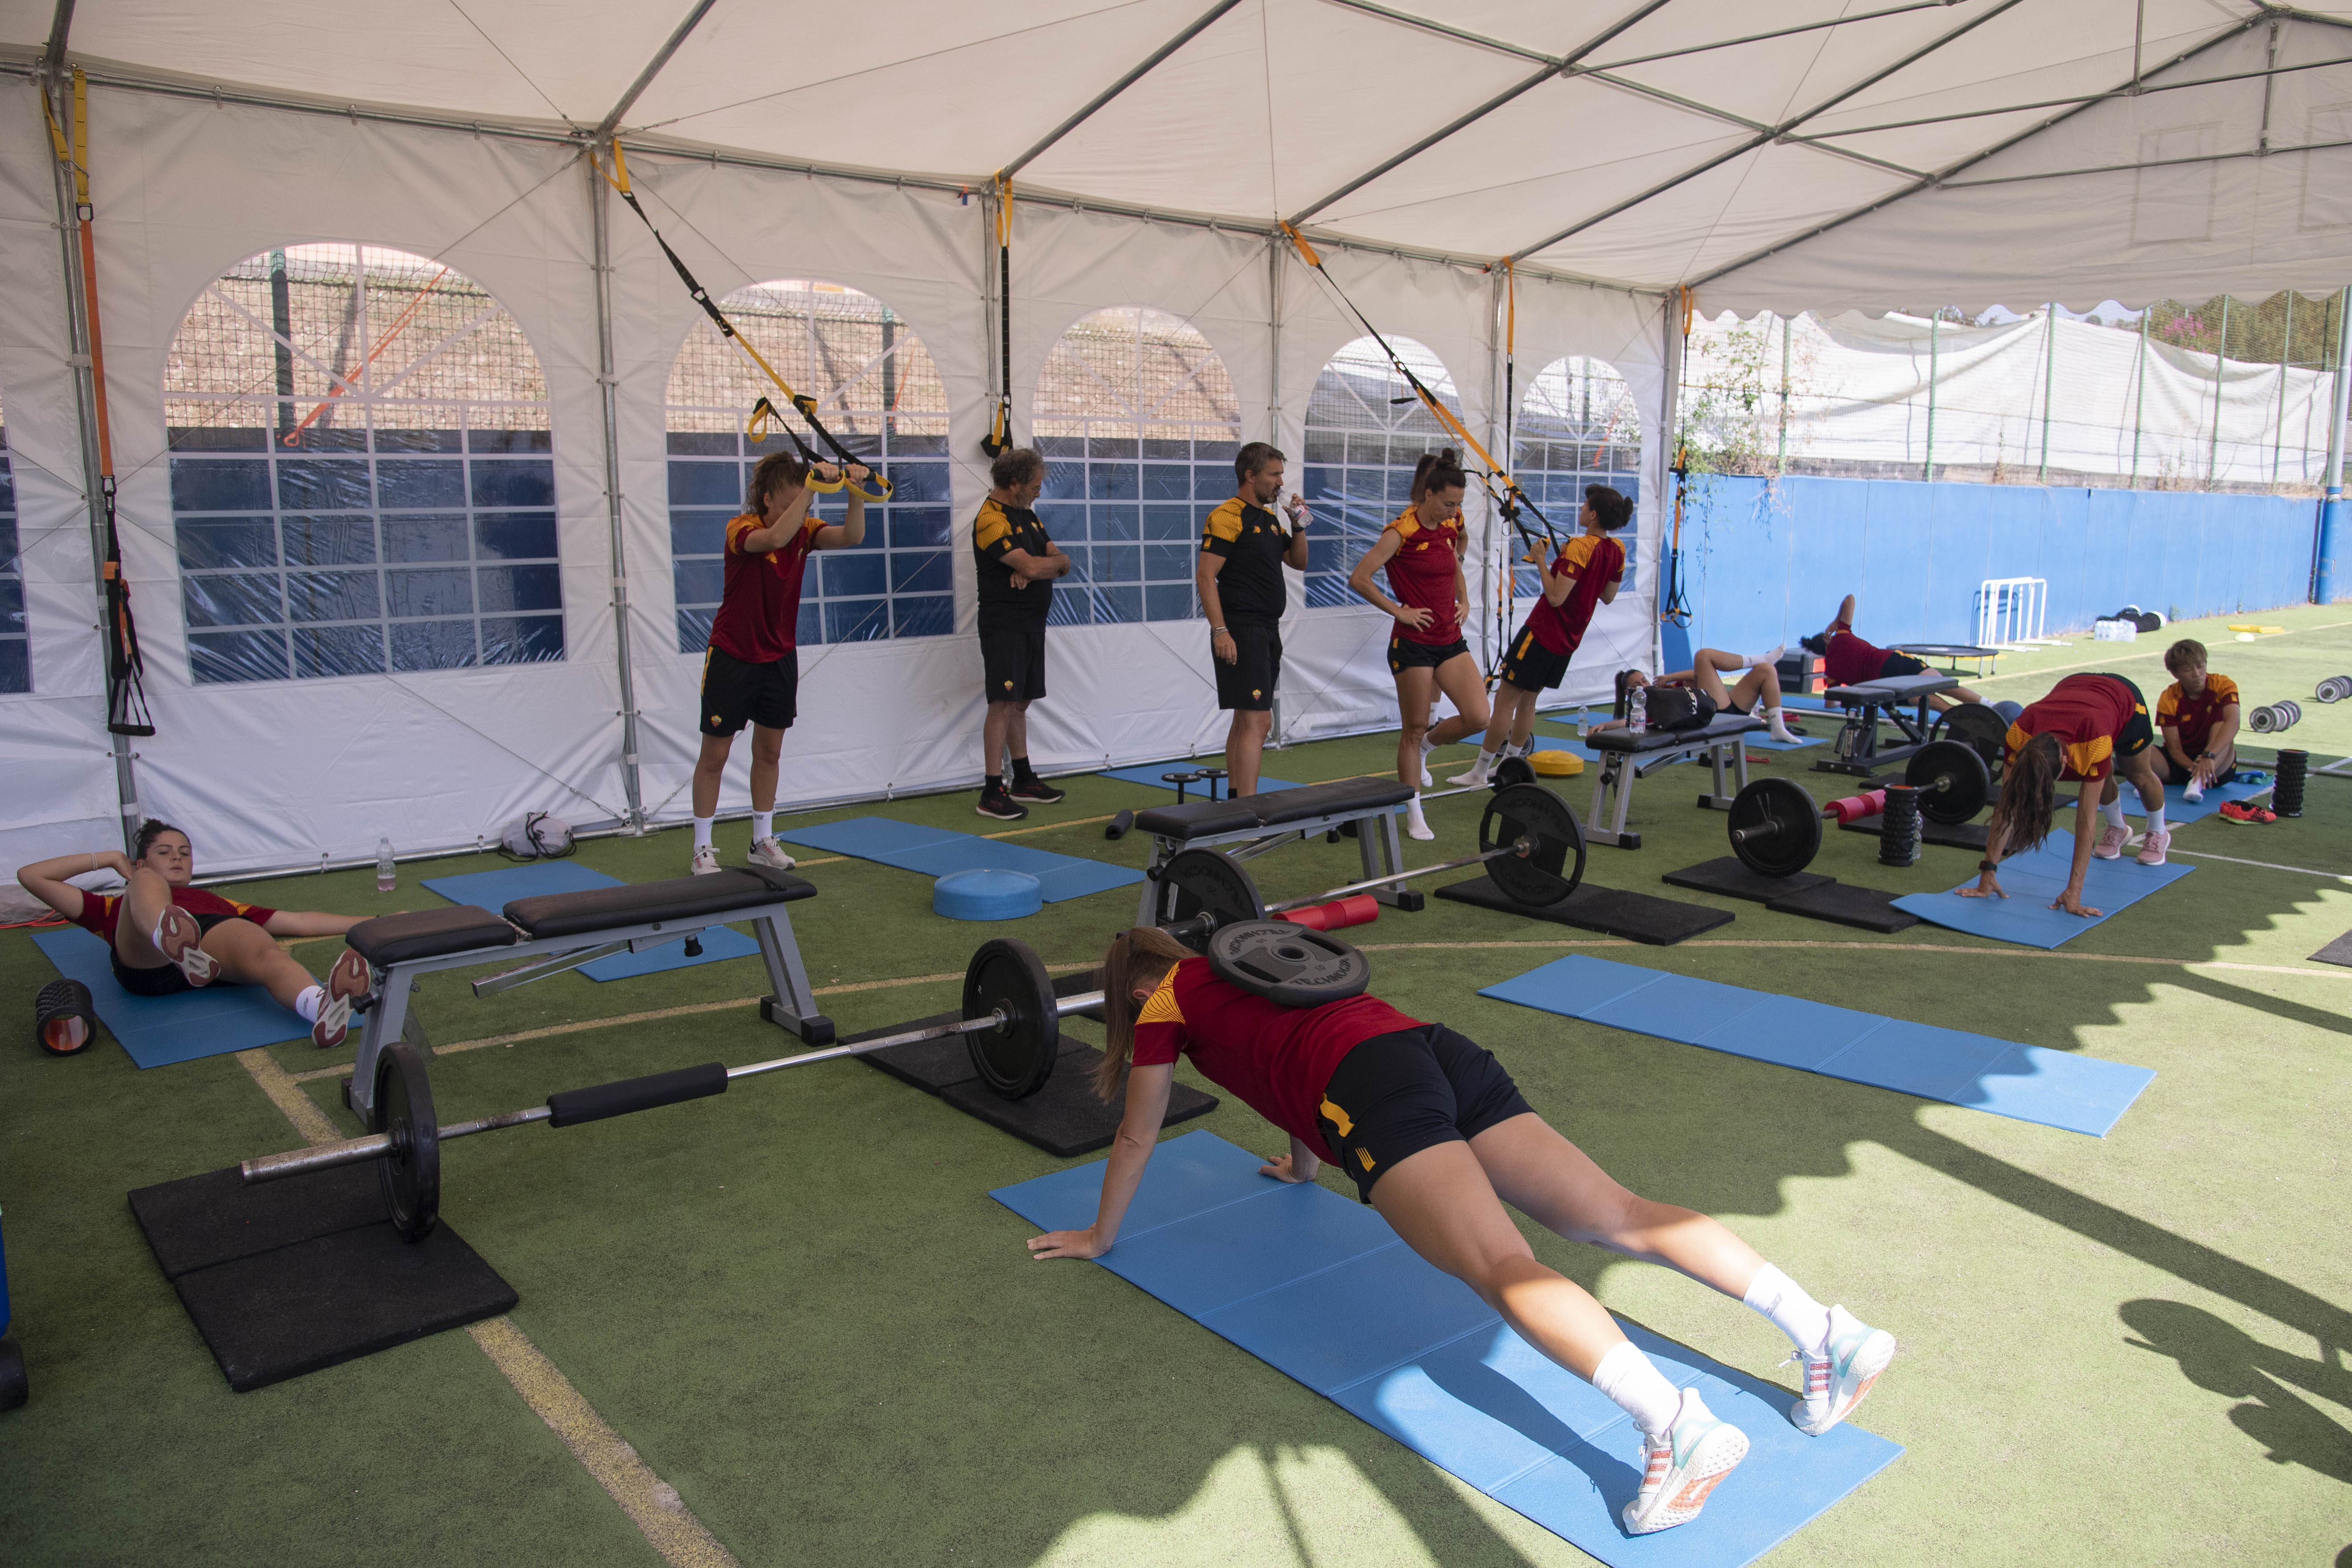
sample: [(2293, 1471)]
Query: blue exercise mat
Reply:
[(936, 851), (160, 1030), (1149, 775), (2178, 810), (2056, 1088), (1321, 1289), (493, 890), (2033, 882)]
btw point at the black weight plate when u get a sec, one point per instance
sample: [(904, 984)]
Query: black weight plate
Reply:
[(1776, 829), (1952, 779), (1980, 729), (1288, 963), (1206, 882), (1016, 1057), (1554, 864), (412, 1172), (1511, 771)]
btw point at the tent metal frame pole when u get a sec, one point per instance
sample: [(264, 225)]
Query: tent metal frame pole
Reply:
[(600, 208), (2140, 394), (2278, 434), (2332, 509), (2049, 382), (1658, 478), (2221, 361), (611, 120), (1276, 736), (1934, 357), (1199, 24)]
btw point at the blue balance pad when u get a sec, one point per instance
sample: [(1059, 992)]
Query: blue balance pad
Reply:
[(2056, 1088), (493, 890), (985, 895), (937, 851), (2033, 882), (160, 1030), (1321, 1289)]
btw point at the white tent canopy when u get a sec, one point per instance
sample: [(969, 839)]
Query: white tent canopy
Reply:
[(1815, 156)]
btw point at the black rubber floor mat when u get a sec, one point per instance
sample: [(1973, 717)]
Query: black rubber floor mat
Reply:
[(1065, 1118), (1964, 835), (1728, 876), (1637, 916), (2336, 952), (1846, 905), (216, 1217)]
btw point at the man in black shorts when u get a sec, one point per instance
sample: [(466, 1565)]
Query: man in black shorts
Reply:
[(1016, 571), (1243, 548)]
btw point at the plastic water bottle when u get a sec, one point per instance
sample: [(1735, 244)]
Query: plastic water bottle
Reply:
[(386, 879), (1637, 708)]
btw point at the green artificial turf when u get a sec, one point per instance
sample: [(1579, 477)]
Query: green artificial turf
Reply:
[(799, 1305)]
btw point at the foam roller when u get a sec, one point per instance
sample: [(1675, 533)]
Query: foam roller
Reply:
[(65, 1020), (1362, 910), (1855, 807)]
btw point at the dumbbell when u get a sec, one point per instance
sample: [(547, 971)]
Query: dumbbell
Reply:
[(2334, 689), (2274, 716)]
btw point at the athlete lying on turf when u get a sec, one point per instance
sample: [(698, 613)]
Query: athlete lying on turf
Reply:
[(166, 936), (2086, 728), (1436, 1137), (1847, 660)]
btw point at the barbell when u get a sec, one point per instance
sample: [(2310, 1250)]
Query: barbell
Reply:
[(1776, 829)]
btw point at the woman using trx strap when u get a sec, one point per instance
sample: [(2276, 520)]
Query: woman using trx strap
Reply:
[(165, 936), (1422, 552), (1436, 1137)]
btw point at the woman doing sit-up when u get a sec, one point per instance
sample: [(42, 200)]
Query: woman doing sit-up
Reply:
[(1436, 1137), (165, 936), (2086, 728)]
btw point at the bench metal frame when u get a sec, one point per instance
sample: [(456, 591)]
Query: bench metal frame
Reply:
[(1622, 770), (1376, 842), (1864, 706), (391, 1016)]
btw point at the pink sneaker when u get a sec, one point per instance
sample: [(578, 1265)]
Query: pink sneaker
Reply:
[(2152, 848), (2111, 843)]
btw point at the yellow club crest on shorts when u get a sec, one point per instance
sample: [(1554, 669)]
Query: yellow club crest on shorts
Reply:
[(1256, 693), (718, 719)]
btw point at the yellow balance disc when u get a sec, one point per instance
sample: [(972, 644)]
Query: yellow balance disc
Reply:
[(1557, 765)]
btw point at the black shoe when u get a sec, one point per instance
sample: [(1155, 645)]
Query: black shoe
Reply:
[(997, 804), (1037, 790)]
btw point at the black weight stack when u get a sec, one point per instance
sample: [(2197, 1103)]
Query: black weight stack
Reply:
[(2286, 794), (1898, 836)]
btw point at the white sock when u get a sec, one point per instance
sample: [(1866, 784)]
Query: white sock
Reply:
[(1773, 726), (1486, 759), (1770, 656), (2114, 812), (763, 825), (1639, 1388), (2156, 820), (1427, 743), (702, 826), (1780, 1298), (309, 1002)]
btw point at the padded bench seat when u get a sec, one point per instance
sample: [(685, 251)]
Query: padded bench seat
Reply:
[(1867, 704), (1627, 755), (1721, 727), (427, 933), (639, 903), (1206, 818), (1888, 690), (1200, 817)]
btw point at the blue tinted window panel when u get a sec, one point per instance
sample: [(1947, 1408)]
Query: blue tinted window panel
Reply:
[(933, 571), (1217, 454), (1169, 563), (422, 539), (8, 544), (856, 620), (433, 645), (1324, 592), (15, 666), (1118, 563), (481, 440), (1070, 606), (522, 639), (851, 573), (700, 581), (932, 615), (1167, 481), (219, 656), (702, 443), (693, 630), (213, 543), (1065, 521), (324, 484), (920, 526), (699, 532), (1115, 522), (517, 482), (1162, 602), (321, 540), (1119, 605), (1366, 485), (1099, 446), (918, 482), (331, 596), (810, 628), (220, 484), (1111, 482), (12, 604), (428, 593), (706, 484), (1158, 446), (239, 599), (1064, 481), (338, 650), (418, 440), (326, 437), (514, 588), (1172, 522), (514, 536), (419, 482)]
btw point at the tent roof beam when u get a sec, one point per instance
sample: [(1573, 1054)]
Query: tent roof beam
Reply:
[(1199, 24), (53, 58), (611, 120), (1627, 84)]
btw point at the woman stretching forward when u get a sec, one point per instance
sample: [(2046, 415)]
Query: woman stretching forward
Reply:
[(1437, 1139)]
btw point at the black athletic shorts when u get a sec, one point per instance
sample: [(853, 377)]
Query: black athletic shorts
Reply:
[(2138, 732), (1900, 664), (1012, 658), (735, 693), (2172, 773), (1531, 667), (167, 981), (1405, 655), (1246, 685), (1395, 1095)]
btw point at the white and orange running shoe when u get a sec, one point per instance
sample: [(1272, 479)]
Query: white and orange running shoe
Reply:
[(346, 982), (2112, 840), (1686, 1462), (1839, 1379), (177, 936)]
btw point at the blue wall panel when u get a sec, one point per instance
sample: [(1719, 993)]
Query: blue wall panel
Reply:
[(1767, 561)]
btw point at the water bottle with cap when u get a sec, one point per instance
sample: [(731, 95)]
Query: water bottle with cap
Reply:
[(1637, 708), (386, 879)]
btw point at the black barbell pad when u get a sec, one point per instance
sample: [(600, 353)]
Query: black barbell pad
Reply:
[(598, 1101)]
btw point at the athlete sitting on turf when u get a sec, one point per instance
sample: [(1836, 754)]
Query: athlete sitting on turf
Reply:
[(1243, 548), (2198, 716), (751, 673), (1581, 578), (1014, 567), (1436, 1137), (163, 936), (1847, 660), (1422, 552), (2086, 728), (1756, 692)]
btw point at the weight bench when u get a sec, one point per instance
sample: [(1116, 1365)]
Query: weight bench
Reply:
[(1258, 822), (565, 931), (1856, 749), (1627, 755)]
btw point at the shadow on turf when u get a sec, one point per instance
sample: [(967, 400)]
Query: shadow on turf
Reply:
[(2221, 1358)]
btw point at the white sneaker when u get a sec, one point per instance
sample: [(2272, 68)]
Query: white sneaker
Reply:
[(1475, 776), (1838, 1379), (706, 861), (1414, 826), (2112, 840), (768, 853), (1686, 1462), (2152, 847)]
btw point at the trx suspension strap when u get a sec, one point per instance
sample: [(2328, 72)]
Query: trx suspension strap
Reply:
[(1510, 498), (1675, 607), (999, 440), (126, 696), (764, 414), (1507, 586)]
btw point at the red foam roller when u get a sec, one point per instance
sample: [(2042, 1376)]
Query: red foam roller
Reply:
[(1856, 806), (1362, 910)]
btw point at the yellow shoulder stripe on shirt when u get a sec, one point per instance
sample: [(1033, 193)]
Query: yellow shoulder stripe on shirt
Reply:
[(2088, 754), (990, 525), (1160, 1008), (1406, 524), (1225, 523), (1580, 551), (2224, 690)]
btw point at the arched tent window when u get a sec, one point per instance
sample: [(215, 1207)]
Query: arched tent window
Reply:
[(1362, 446), (361, 477), (876, 389), (16, 651), (1577, 426), (1138, 424)]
